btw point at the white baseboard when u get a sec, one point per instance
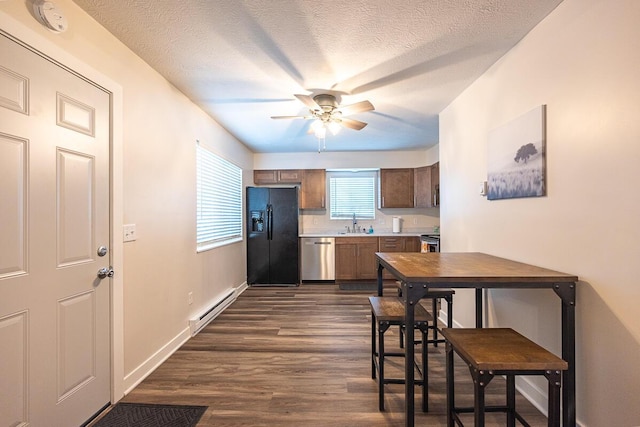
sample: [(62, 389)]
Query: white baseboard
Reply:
[(136, 376), (145, 369), (240, 289)]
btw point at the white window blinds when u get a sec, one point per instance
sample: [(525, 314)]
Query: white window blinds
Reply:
[(219, 200), (352, 193)]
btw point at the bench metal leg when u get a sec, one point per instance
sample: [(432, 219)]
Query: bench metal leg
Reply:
[(373, 345), (450, 382), (511, 401), (382, 328), (480, 380), (554, 397), (425, 368)]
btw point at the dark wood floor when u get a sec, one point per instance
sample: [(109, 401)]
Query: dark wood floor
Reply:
[(300, 356)]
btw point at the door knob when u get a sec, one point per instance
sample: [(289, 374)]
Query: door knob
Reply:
[(105, 272)]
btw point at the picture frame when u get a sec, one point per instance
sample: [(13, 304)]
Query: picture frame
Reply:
[(516, 160)]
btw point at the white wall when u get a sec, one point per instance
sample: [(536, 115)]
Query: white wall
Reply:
[(159, 130), (346, 159), (582, 61)]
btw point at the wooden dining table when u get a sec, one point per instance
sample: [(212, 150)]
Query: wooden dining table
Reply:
[(419, 272)]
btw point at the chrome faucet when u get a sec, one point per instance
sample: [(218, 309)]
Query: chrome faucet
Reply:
[(355, 222)]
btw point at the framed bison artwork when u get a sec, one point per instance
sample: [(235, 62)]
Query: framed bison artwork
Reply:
[(516, 158)]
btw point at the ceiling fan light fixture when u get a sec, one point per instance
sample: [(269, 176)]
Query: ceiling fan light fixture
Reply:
[(319, 129), (327, 113), (334, 126)]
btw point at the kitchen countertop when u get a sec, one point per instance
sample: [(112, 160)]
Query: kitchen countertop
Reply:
[(375, 234)]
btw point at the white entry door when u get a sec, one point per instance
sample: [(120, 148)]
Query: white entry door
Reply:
[(54, 217)]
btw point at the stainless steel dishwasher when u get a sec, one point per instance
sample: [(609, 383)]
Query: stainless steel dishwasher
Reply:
[(318, 261)]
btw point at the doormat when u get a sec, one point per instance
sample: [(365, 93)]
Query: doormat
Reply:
[(363, 286), (149, 415)]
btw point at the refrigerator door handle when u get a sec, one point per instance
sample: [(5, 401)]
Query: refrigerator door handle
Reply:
[(269, 222)]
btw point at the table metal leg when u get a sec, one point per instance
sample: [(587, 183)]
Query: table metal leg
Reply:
[(478, 307), (567, 292), (380, 267), (409, 374)]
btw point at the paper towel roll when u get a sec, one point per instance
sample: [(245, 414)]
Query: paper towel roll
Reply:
[(396, 224)]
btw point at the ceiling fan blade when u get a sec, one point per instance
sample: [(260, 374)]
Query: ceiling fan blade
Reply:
[(292, 117), (353, 124), (308, 101), (358, 107)]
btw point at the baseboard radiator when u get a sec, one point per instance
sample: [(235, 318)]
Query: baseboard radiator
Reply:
[(196, 324)]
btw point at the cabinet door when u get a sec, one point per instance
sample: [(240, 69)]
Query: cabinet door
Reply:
[(367, 263), (412, 244), (422, 187), (265, 177), (313, 189), (289, 176), (275, 176), (435, 184), (346, 261), (396, 188)]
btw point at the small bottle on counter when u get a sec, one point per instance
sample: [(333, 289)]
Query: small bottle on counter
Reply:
[(371, 229)]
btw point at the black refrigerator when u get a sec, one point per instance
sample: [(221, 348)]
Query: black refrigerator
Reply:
[(272, 236)]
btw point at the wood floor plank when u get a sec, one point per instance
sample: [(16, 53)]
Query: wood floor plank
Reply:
[(301, 356)]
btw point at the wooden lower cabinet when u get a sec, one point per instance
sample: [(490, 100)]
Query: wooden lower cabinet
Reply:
[(398, 244), (356, 258)]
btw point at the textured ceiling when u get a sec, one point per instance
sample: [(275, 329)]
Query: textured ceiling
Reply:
[(243, 60)]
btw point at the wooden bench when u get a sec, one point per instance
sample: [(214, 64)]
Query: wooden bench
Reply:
[(500, 351), (387, 312)]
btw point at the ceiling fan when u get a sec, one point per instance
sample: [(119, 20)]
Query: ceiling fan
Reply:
[(328, 113)]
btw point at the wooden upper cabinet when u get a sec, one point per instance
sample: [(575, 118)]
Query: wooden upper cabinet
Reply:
[(396, 188), (435, 183), (313, 191), (277, 176), (292, 176), (427, 186), (422, 187)]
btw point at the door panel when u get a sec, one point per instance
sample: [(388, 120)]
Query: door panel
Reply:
[(54, 178), (13, 209), (75, 208), (13, 369)]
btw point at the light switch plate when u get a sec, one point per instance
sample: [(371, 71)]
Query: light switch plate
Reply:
[(130, 233), (483, 188)]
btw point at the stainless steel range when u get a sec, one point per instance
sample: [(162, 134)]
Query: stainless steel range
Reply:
[(429, 243)]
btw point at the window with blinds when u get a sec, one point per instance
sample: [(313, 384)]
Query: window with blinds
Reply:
[(352, 193), (219, 200)]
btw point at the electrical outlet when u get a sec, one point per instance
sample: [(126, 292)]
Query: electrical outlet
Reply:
[(129, 231), (315, 221), (190, 298)]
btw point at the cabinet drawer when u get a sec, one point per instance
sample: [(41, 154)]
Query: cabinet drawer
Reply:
[(392, 244), (355, 240)]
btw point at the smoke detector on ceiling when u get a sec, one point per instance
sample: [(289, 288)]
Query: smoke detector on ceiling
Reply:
[(50, 16)]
